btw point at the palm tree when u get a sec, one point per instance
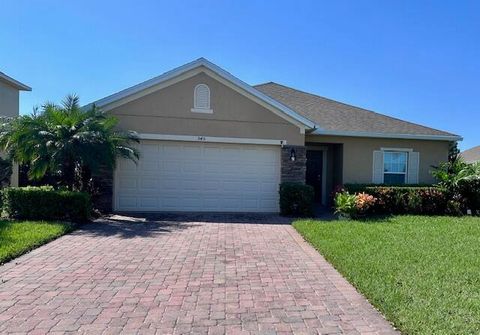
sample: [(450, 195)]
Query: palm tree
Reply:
[(67, 141)]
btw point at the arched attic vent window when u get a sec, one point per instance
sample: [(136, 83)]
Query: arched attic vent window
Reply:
[(201, 99)]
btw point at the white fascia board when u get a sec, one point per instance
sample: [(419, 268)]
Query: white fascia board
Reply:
[(320, 132), (210, 139), (256, 99), (15, 83), (258, 94), (187, 71), (146, 84)]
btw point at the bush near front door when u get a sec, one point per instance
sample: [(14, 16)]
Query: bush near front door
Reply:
[(296, 199)]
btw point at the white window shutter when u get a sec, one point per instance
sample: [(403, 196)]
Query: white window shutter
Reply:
[(413, 167), (377, 167)]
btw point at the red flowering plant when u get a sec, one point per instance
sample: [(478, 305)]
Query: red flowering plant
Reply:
[(364, 202), (352, 206)]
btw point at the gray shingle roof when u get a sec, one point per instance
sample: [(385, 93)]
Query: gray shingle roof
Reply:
[(471, 155), (334, 116)]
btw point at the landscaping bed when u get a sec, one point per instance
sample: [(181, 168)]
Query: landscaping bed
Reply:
[(19, 237), (421, 272)]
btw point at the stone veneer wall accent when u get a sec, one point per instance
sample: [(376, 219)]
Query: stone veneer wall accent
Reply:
[(293, 171)]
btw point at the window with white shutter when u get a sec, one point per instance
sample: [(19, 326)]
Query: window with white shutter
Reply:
[(413, 167), (201, 99), (377, 167), (395, 166)]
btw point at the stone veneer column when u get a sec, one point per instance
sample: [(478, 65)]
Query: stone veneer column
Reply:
[(293, 171)]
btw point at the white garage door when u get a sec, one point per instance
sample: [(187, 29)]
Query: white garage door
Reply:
[(189, 176)]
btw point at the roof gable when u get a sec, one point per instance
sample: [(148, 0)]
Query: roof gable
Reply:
[(191, 69), (14, 83)]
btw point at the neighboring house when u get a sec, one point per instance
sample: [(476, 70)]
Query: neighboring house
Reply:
[(210, 142), (9, 106), (471, 155)]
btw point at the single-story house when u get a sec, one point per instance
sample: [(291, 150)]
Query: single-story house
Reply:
[(9, 106), (471, 155), (211, 142)]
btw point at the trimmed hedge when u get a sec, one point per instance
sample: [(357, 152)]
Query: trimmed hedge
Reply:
[(359, 188), (45, 203), (296, 199), (429, 200)]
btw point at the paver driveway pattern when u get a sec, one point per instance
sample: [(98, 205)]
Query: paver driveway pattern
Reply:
[(170, 276)]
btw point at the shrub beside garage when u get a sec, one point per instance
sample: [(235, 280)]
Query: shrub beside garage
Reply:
[(45, 203), (296, 199)]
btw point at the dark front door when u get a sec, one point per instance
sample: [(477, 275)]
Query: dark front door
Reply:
[(314, 172)]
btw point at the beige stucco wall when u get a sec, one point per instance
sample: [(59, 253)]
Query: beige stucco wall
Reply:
[(9, 106), (168, 111), (358, 155), (8, 100)]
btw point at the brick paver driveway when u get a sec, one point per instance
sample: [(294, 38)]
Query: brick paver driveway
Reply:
[(171, 276)]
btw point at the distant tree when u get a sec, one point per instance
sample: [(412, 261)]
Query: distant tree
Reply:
[(453, 151)]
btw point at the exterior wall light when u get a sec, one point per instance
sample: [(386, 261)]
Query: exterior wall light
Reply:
[(293, 155)]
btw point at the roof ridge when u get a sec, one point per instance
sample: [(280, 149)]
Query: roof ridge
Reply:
[(352, 106)]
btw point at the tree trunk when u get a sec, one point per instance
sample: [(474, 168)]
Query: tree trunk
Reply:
[(68, 173)]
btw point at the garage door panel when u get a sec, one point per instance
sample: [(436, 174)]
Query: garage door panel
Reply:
[(184, 176), (172, 167), (128, 183), (191, 169), (127, 202), (250, 204), (148, 203), (191, 185), (212, 185), (127, 165), (149, 184), (192, 152), (149, 149), (268, 187)]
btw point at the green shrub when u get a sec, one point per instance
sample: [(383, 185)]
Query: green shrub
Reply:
[(358, 188), (345, 204), (296, 199), (416, 199), (461, 183), (353, 205), (45, 203)]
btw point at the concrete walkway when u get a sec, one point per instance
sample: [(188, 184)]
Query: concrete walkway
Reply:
[(175, 275)]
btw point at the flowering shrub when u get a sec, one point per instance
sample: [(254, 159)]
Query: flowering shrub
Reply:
[(352, 205), (427, 200), (364, 202)]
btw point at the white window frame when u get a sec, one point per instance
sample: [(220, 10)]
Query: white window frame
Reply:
[(196, 108), (397, 150)]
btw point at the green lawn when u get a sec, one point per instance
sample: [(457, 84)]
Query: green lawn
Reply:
[(18, 237), (422, 273)]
